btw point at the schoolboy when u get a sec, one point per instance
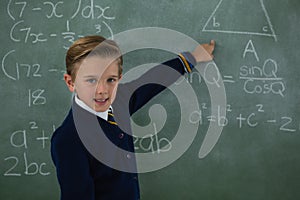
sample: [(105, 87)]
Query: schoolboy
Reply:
[(94, 69)]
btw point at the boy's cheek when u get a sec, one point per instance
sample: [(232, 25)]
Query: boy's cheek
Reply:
[(113, 96)]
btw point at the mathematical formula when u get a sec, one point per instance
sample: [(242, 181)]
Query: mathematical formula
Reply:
[(18, 165), (23, 32), (253, 118), (255, 79)]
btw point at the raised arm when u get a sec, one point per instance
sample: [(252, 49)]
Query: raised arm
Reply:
[(138, 92)]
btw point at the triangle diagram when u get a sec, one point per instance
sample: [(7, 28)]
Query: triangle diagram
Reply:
[(240, 17)]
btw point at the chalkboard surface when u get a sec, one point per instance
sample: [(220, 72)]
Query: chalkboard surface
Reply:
[(257, 54)]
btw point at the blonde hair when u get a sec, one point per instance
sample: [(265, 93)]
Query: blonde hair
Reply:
[(90, 46)]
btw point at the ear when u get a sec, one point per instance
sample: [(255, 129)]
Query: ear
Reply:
[(69, 82)]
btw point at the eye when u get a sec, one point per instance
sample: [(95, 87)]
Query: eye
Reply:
[(111, 80), (92, 80)]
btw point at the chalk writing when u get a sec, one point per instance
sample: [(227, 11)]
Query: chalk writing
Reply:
[(256, 79), (211, 76), (261, 79), (35, 97), (250, 49), (20, 32), (152, 143), (53, 9), (250, 118), (23, 165), (21, 69), (30, 168), (24, 32), (214, 24)]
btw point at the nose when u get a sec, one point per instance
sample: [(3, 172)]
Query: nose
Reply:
[(101, 88)]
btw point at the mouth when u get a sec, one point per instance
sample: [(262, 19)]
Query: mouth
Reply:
[(101, 101)]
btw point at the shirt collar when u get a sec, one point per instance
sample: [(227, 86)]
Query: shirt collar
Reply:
[(102, 115)]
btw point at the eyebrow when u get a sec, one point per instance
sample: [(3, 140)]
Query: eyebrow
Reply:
[(90, 76), (93, 76)]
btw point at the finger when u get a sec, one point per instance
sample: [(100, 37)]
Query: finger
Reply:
[(213, 43)]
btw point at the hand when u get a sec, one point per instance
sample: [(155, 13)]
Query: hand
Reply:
[(204, 52)]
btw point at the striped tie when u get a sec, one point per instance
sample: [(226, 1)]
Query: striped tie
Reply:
[(110, 118)]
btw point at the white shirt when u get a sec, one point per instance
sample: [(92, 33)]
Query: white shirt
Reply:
[(102, 115)]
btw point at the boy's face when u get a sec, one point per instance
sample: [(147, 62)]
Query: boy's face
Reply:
[(96, 82)]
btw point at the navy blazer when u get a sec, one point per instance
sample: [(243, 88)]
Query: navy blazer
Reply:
[(81, 176)]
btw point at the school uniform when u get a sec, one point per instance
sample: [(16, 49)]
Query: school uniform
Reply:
[(80, 174)]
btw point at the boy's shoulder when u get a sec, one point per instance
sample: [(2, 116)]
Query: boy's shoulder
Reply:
[(65, 142), (66, 132)]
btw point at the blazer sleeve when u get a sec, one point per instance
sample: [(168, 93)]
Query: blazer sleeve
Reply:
[(153, 82), (70, 158)]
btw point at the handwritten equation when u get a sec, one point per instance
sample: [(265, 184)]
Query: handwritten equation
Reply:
[(24, 31), (249, 119), (255, 116), (261, 78), (29, 140)]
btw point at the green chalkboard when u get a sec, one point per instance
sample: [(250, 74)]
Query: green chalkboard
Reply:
[(256, 156)]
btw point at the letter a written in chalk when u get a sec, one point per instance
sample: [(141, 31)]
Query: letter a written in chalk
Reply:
[(250, 49)]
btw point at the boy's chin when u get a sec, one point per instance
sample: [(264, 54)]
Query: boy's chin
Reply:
[(101, 106)]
